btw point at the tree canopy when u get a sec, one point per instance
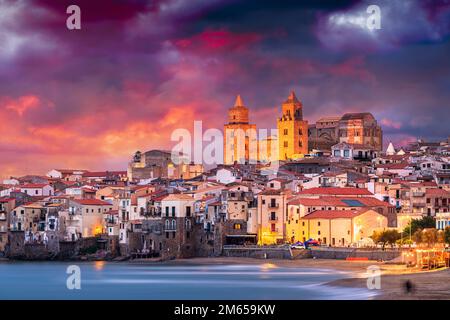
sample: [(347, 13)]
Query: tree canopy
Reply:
[(420, 224), (386, 237)]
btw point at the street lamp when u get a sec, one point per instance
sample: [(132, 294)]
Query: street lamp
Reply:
[(410, 228)]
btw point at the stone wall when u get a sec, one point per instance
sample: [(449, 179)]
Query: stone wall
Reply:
[(344, 253), (67, 250), (36, 251), (257, 252)]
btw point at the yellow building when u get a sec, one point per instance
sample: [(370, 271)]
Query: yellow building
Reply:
[(341, 227), (240, 137), (292, 130), (271, 216)]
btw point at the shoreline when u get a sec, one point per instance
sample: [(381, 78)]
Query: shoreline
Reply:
[(428, 285), (432, 284)]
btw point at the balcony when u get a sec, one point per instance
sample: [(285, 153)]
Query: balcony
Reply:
[(273, 218), (2, 217), (418, 194), (419, 204), (273, 205)]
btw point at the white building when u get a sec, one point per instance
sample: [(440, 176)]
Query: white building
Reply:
[(37, 189)]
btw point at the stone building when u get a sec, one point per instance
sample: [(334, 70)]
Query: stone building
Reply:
[(162, 164), (6, 205), (324, 133), (292, 130), (352, 128), (361, 128), (240, 138)]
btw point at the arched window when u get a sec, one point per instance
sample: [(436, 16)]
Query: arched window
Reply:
[(174, 224), (167, 224)]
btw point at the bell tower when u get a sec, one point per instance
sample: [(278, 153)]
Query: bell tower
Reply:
[(239, 135), (292, 129)]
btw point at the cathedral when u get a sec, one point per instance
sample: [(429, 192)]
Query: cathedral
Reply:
[(295, 137)]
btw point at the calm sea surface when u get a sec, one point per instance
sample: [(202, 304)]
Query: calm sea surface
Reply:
[(102, 280)]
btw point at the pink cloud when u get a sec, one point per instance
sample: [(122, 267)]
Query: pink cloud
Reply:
[(215, 41), (22, 104), (391, 123)]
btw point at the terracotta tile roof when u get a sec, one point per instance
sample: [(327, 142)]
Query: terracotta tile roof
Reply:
[(92, 202), (438, 192), (33, 185), (270, 192), (101, 174), (394, 166), (308, 202), (336, 191), (179, 196), (332, 214)]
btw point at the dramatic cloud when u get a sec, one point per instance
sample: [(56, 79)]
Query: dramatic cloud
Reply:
[(137, 70)]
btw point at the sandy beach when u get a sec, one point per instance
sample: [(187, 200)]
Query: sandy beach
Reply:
[(427, 284)]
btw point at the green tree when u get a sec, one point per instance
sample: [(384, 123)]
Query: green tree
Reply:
[(429, 236), (447, 235), (416, 224), (386, 237)]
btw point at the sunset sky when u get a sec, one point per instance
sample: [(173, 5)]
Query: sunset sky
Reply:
[(137, 70)]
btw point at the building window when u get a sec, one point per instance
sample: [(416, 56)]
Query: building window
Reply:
[(285, 132), (300, 132), (318, 224), (173, 211), (188, 211), (237, 226), (167, 211), (337, 153), (273, 227), (346, 153), (300, 143), (285, 144)]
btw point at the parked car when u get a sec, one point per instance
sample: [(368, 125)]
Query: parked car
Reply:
[(312, 243), (298, 245)]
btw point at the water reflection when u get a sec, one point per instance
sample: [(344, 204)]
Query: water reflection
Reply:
[(100, 280)]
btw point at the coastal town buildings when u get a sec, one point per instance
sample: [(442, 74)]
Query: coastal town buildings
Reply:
[(165, 206)]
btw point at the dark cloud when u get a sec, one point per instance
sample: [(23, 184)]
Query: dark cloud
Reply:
[(139, 69)]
